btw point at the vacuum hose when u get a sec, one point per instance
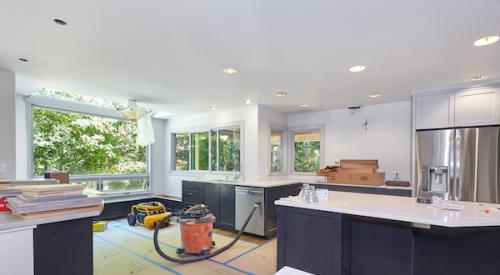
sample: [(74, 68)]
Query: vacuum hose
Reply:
[(203, 257)]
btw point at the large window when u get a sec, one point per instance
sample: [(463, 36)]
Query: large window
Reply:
[(99, 152), (276, 151), (212, 150), (306, 154)]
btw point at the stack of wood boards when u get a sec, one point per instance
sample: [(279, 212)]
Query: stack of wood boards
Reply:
[(353, 171), (50, 200), (13, 188)]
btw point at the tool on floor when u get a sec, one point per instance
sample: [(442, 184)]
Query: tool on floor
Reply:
[(99, 226), (196, 225), (148, 214)]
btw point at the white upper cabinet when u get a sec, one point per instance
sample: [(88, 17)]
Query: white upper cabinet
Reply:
[(434, 111), (477, 107)]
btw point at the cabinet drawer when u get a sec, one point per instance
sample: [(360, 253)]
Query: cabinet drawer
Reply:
[(192, 186), (192, 197)]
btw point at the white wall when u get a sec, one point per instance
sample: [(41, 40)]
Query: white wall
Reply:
[(7, 125), (387, 139), (158, 157), (22, 157), (247, 115)]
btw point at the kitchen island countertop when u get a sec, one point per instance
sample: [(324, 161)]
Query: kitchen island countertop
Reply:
[(404, 209)]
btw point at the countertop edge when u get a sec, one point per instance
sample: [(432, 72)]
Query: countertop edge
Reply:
[(372, 214), (13, 222)]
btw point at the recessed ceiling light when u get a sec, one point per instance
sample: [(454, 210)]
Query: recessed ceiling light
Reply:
[(23, 59), (213, 108), (230, 70), (485, 41), (357, 68), (304, 105), (281, 94), (60, 22), (479, 77), (375, 95), (248, 101)]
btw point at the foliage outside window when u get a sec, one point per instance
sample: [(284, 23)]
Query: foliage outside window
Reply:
[(276, 151), (214, 150), (227, 150), (306, 151), (181, 151), (88, 145), (199, 151)]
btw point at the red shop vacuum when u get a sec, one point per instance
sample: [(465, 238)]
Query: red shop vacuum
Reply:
[(196, 224)]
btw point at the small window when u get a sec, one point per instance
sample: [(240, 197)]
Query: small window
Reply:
[(276, 151), (199, 151), (226, 149), (181, 151), (306, 157)]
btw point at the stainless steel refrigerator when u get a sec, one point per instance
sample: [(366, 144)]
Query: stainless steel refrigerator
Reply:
[(459, 164)]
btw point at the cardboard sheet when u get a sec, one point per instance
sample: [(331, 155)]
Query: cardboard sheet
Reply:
[(123, 249)]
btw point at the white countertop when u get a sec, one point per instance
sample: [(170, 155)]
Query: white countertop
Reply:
[(403, 209), (9, 221), (281, 182)]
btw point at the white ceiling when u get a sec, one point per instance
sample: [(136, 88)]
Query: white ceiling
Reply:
[(170, 54)]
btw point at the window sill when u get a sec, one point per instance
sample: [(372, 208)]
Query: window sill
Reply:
[(127, 197)]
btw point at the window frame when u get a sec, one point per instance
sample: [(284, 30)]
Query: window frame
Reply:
[(57, 104), (209, 128), (284, 150), (291, 147)]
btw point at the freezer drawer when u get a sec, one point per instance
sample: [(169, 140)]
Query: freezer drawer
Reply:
[(246, 197)]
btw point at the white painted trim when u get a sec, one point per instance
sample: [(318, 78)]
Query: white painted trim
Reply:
[(284, 149), (71, 106), (453, 88), (291, 131)]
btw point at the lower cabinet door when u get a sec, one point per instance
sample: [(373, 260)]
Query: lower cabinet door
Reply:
[(211, 199), (227, 206), (16, 251)]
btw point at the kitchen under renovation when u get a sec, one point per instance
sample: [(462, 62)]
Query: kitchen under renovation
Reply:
[(249, 137)]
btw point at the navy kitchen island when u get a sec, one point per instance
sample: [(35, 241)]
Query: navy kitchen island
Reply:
[(362, 234)]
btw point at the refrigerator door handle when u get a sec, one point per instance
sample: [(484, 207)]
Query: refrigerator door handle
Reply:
[(456, 173)]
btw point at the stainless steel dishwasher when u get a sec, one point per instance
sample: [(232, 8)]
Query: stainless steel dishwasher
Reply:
[(246, 197)]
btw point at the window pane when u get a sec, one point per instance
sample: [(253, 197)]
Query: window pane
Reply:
[(125, 185), (307, 151), (229, 150), (213, 150), (84, 144), (199, 151), (181, 151), (87, 185), (276, 152)]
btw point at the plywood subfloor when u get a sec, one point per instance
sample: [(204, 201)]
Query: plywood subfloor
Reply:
[(123, 249)]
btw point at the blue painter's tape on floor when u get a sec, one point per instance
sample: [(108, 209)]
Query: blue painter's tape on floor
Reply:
[(212, 260), (246, 252), (138, 255)]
